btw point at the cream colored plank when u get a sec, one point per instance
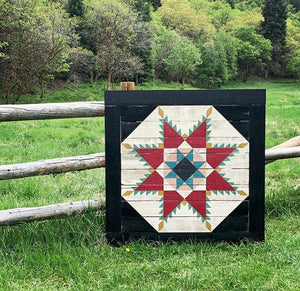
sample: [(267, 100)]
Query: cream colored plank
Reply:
[(216, 208), (226, 140), (183, 113), (130, 196), (236, 161), (130, 161), (191, 112), (183, 224), (239, 176), (217, 128), (214, 140), (129, 143), (157, 196)]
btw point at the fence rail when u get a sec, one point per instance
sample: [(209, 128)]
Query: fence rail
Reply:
[(288, 149), (51, 111), (52, 166), (30, 214)]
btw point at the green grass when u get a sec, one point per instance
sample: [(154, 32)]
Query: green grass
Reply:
[(72, 254)]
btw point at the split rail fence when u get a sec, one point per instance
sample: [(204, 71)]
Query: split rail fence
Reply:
[(288, 149)]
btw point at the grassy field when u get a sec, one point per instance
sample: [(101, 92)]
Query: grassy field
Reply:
[(72, 254)]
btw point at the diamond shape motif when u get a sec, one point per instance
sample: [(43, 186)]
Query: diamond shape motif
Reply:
[(187, 174), (185, 169)]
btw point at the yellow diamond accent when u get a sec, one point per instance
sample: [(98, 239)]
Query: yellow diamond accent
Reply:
[(209, 112), (208, 193), (184, 136), (127, 193), (242, 193), (208, 145), (161, 193), (184, 202), (160, 145), (242, 145), (151, 170), (218, 169), (161, 112), (127, 146), (208, 225), (160, 226)]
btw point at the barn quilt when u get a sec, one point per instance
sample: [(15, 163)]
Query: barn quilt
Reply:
[(184, 169)]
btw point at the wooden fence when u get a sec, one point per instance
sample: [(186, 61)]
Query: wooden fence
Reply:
[(288, 149)]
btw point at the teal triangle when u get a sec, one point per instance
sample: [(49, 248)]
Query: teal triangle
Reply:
[(172, 174), (172, 165), (198, 164), (179, 182), (190, 156), (180, 156), (189, 182), (198, 174)]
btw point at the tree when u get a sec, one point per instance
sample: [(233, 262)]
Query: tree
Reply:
[(253, 51), (296, 4), (37, 38), (164, 41), (114, 31), (219, 60), (143, 10), (2, 44), (57, 34), (222, 13), (274, 28), (184, 19), (229, 44), (213, 71), (155, 3), (293, 48), (184, 59), (75, 8)]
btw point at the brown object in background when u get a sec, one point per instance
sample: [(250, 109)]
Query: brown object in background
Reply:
[(127, 86)]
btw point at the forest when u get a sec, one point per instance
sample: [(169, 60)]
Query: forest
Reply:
[(205, 43)]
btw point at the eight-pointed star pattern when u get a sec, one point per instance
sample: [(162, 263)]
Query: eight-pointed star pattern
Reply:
[(185, 168)]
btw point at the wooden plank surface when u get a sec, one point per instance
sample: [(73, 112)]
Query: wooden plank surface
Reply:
[(186, 97), (140, 130)]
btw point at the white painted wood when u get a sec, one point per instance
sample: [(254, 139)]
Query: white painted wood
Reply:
[(182, 113), (131, 162), (217, 208), (51, 111), (30, 214), (184, 224), (212, 197), (214, 140), (191, 113), (52, 166), (152, 129), (240, 176), (185, 118)]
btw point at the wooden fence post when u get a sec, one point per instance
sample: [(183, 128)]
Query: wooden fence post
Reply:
[(127, 86)]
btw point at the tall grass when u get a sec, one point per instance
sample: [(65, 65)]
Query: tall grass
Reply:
[(72, 254)]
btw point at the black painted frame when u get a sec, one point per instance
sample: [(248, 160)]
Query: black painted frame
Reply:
[(245, 110)]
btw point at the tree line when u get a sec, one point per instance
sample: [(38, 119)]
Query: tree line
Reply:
[(192, 41)]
